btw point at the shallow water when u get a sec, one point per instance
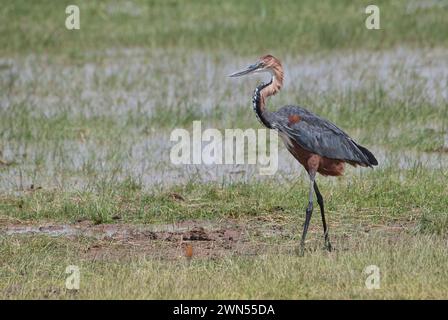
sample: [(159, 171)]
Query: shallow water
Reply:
[(127, 80)]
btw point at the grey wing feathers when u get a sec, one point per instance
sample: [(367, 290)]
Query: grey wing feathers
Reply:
[(320, 136)]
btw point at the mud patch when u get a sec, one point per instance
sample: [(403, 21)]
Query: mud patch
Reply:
[(198, 239)]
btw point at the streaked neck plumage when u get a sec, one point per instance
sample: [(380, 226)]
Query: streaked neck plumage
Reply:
[(263, 91)]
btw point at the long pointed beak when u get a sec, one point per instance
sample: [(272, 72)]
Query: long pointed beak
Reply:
[(249, 69)]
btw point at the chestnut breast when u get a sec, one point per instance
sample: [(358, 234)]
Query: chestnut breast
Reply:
[(312, 161)]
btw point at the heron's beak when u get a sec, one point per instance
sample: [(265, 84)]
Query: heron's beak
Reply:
[(252, 68)]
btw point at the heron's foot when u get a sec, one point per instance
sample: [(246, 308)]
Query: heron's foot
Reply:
[(328, 246), (300, 250)]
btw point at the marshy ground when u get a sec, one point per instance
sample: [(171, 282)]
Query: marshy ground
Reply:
[(86, 178)]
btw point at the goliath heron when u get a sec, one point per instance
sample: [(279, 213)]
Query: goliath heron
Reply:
[(319, 145)]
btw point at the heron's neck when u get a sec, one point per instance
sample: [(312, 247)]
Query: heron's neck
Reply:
[(263, 91)]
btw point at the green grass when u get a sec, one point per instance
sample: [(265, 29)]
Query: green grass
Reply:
[(411, 268), (380, 196), (85, 119), (282, 26), (360, 210)]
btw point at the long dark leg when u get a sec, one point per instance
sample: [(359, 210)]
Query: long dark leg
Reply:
[(309, 212), (320, 201)]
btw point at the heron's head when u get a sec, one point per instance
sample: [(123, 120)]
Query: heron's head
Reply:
[(267, 63)]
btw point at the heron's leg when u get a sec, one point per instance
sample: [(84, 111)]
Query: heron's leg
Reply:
[(320, 201), (309, 211)]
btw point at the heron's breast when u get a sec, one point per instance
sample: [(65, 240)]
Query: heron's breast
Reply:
[(314, 162)]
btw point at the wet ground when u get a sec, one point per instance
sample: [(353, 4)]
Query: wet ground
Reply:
[(119, 89)]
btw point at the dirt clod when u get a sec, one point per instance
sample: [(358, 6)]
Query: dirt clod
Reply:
[(197, 235)]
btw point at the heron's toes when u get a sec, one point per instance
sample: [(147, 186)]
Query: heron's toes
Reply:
[(300, 250), (328, 246)]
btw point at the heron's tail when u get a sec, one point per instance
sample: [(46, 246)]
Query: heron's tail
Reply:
[(369, 155)]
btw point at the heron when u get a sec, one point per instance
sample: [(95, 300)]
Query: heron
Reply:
[(315, 142)]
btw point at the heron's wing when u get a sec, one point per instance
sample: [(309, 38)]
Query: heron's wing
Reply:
[(319, 135)]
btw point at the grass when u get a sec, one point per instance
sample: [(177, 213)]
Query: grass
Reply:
[(411, 268), (85, 120), (361, 213), (285, 26), (381, 195)]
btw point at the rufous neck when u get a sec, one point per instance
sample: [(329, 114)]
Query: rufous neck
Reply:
[(263, 91)]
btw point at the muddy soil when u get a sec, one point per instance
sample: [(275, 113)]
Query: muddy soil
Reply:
[(188, 239)]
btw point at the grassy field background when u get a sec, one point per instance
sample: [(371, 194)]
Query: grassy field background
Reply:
[(85, 121)]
